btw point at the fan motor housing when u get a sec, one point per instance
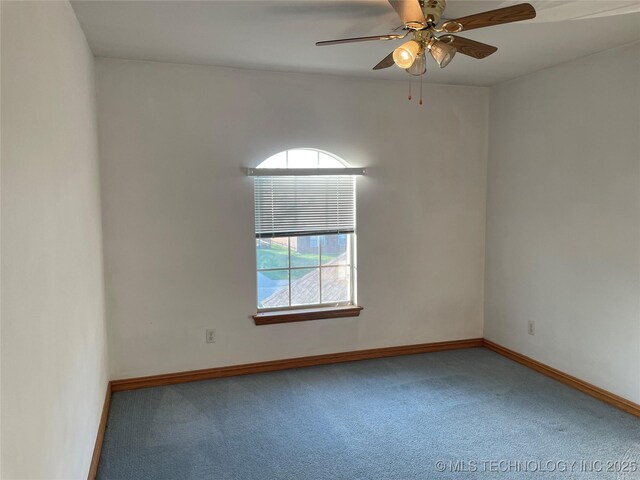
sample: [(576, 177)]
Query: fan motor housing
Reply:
[(432, 10)]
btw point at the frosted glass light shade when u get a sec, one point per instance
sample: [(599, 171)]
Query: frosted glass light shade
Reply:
[(405, 54), (419, 66), (442, 52)]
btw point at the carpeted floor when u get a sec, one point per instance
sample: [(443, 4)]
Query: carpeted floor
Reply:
[(459, 414)]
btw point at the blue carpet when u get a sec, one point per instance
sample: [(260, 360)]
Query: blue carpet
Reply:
[(458, 414)]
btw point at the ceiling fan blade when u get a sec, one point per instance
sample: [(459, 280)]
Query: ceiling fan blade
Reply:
[(470, 47), (359, 39), (409, 10), (386, 62), (515, 13)]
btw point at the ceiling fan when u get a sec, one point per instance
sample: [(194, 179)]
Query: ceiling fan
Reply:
[(421, 20)]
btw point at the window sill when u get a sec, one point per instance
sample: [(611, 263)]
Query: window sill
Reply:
[(286, 316)]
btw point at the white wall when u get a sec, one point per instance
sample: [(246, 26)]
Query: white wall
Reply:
[(563, 218), (54, 365), (178, 211)]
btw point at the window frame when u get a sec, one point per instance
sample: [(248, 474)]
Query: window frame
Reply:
[(293, 313)]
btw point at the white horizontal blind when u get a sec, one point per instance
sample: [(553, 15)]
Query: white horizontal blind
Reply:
[(304, 205)]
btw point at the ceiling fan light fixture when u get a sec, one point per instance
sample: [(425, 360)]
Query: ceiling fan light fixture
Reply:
[(406, 54), (442, 52), (419, 66)]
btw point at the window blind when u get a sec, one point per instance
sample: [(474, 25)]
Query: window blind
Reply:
[(287, 206)]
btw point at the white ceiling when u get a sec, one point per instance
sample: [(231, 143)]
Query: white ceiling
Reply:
[(280, 35)]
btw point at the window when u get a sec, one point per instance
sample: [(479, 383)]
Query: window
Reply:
[(305, 231), (313, 241)]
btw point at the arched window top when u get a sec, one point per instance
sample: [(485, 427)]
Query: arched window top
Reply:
[(303, 158)]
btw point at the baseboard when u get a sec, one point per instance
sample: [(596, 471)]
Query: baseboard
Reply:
[(597, 392), (272, 366), (97, 449)]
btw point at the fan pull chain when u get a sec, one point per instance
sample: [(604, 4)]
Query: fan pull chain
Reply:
[(409, 88), (421, 89)]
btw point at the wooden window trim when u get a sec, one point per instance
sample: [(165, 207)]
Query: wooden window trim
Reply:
[(287, 316)]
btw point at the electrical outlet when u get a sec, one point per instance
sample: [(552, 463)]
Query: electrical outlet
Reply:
[(531, 328), (211, 335)]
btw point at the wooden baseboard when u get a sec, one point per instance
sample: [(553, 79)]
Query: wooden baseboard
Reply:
[(97, 449), (209, 373), (597, 392)]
